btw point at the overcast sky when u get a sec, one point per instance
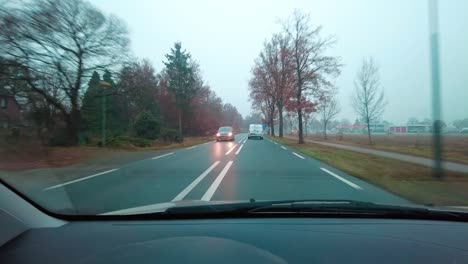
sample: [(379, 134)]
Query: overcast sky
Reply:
[(226, 36)]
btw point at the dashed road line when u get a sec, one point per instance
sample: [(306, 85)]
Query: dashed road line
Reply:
[(209, 193), (239, 149), (230, 150), (191, 147), (192, 185), (80, 179), (298, 155), (240, 141), (158, 157), (355, 186), (283, 147)]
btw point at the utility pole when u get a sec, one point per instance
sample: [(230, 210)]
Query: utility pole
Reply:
[(435, 80)]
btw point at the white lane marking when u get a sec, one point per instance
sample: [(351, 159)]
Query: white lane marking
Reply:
[(209, 193), (243, 139), (77, 180), (229, 151), (355, 186), (298, 155), (275, 143), (239, 149), (283, 147), (191, 147), (157, 157), (192, 185)]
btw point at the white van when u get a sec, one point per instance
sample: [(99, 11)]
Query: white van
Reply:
[(255, 131)]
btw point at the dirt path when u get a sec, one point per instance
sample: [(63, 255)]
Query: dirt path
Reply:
[(452, 166)]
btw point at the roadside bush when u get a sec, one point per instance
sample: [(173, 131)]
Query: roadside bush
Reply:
[(170, 135), (15, 132), (146, 126), (84, 139), (59, 138), (122, 140)]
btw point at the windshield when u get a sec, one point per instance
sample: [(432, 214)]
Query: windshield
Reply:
[(225, 129), (114, 106)]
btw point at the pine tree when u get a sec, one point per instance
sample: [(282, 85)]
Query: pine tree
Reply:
[(117, 121), (181, 79), (91, 107)]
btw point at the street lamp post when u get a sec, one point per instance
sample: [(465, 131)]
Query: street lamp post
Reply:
[(104, 85), (435, 81)]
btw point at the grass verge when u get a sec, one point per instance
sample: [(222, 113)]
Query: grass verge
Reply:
[(455, 146), (413, 182), (20, 157)]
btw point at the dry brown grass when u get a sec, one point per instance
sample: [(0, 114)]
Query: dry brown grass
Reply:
[(407, 180), (455, 146), (30, 154)]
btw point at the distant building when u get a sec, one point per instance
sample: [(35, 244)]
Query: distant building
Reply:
[(421, 128), (351, 128), (374, 128), (10, 110), (378, 127), (398, 129)]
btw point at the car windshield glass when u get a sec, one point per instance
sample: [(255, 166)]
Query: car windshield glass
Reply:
[(111, 107)]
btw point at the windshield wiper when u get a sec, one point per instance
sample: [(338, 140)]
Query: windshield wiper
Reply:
[(311, 208)]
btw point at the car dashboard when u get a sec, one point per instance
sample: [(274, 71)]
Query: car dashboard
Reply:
[(263, 240)]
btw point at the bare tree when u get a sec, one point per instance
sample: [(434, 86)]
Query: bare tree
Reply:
[(64, 41), (277, 60), (368, 100), (311, 66), (328, 109), (262, 91)]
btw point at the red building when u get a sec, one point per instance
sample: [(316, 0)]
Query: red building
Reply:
[(10, 110)]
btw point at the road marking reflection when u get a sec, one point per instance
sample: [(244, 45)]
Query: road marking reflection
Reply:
[(209, 193), (230, 150), (239, 149), (192, 185)]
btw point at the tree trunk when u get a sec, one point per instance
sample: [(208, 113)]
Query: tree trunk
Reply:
[(71, 127), (325, 130), (300, 128), (299, 109), (280, 113), (180, 125), (368, 132), (272, 126)]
